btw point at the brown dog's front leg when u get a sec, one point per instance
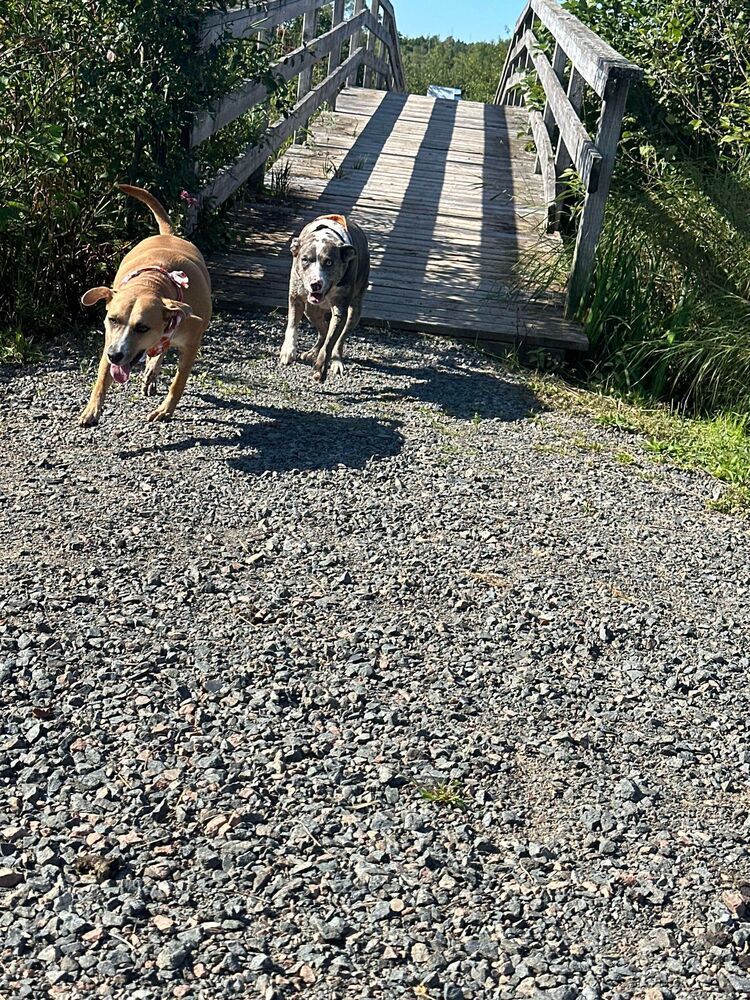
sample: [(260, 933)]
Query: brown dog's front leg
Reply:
[(338, 322), (90, 416), (188, 355)]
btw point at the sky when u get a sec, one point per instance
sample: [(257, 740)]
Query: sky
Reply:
[(468, 20)]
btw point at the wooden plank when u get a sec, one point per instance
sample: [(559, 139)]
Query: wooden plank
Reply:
[(357, 42), (244, 21), (337, 16), (547, 163), (369, 77), (304, 80), (594, 59), (232, 177), (585, 155), (445, 225), (254, 92)]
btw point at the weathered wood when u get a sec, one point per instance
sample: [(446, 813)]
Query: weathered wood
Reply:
[(254, 92), (546, 160), (514, 50), (558, 67), (562, 158), (592, 216), (595, 60), (245, 21), (369, 77), (228, 180), (584, 153), (304, 80), (357, 41), (444, 237), (337, 16)]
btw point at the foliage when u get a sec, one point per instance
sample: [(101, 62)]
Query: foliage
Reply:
[(668, 310), (718, 445), (475, 67), (91, 94)]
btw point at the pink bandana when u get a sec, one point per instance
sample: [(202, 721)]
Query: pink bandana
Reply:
[(180, 280)]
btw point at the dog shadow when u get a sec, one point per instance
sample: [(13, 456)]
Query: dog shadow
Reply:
[(459, 393), (288, 440)]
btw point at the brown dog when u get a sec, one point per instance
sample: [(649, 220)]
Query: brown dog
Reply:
[(160, 298)]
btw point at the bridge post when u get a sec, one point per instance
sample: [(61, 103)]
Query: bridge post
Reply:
[(592, 216), (256, 179), (356, 42), (558, 66), (370, 77), (334, 59), (563, 159), (304, 81)]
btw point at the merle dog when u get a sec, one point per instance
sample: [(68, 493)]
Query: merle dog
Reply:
[(330, 272)]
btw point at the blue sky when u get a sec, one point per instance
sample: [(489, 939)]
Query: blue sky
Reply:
[(469, 20)]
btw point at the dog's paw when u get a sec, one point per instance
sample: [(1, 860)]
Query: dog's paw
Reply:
[(150, 386), (89, 417), (336, 367), (320, 374), (309, 357), (161, 413), (287, 356)]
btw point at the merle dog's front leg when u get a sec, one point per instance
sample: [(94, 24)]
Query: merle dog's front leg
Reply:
[(288, 351), (335, 329)]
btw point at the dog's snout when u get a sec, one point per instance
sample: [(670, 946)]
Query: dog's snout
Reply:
[(316, 286), (115, 356)]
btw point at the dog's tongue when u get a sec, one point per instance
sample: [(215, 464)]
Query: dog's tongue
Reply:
[(120, 373), (315, 298)]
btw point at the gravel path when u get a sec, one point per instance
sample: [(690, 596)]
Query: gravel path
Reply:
[(404, 687)]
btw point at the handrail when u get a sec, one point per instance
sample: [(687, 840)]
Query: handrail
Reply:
[(559, 134), (378, 52)]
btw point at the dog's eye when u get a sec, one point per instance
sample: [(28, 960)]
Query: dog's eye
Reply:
[(140, 328), (307, 261), (327, 263)]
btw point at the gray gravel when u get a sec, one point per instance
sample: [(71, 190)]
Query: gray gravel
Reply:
[(237, 651)]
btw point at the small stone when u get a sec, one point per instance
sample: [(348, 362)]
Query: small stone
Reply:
[(420, 953), (9, 879)]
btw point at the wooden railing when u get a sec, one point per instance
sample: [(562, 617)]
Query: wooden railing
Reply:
[(581, 58), (373, 43)]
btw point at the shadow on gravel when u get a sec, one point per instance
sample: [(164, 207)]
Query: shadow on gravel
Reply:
[(459, 393), (286, 440)]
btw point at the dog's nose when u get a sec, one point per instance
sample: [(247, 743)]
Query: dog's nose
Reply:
[(115, 356), (315, 286)]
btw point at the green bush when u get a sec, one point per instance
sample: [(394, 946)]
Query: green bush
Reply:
[(475, 67), (668, 310), (90, 94)]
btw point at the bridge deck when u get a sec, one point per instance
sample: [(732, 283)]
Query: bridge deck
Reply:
[(447, 195)]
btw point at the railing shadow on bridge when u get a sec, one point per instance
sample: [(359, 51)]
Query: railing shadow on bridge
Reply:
[(439, 232)]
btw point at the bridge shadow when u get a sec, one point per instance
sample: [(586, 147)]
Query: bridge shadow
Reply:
[(286, 440), (448, 239), (465, 395)]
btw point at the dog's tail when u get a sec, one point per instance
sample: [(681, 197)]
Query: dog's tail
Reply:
[(165, 226)]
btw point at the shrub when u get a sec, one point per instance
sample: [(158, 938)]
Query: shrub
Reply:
[(92, 93)]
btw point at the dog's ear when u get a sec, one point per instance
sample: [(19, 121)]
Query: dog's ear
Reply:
[(348, 253), (294, 247), (172, 306), (95, 295)]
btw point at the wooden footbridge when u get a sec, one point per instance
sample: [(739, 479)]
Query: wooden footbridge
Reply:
[(451, 194)]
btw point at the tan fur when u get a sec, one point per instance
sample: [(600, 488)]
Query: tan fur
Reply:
[(147, 301)]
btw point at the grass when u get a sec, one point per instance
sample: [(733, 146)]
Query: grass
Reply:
[(16, 348), (444, 793), (718, 444)]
